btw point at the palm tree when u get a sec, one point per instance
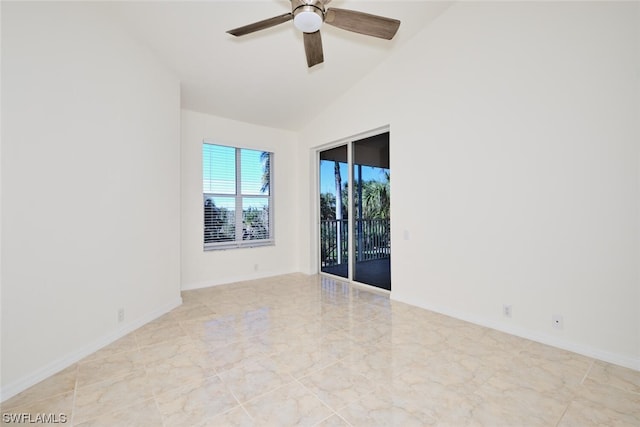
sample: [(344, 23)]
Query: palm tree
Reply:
[(375, 200), (372, 204), (338, 178), (327, 206), (265, 158)]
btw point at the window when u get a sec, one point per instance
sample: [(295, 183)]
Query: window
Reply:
[(238, 197)]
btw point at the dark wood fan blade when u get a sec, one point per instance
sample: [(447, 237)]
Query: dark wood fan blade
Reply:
[(313, 48), (261, 25), (363, 23)]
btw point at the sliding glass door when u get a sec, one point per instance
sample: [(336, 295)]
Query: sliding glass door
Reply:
[(334, 212), (355, 211), (372, 207)]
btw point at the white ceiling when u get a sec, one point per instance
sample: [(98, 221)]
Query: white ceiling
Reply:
[(262, 78)]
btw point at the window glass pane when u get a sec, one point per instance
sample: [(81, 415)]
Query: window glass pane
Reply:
[(219, 219), (255, 172), (218, 169), (255, 218), (237, 191)]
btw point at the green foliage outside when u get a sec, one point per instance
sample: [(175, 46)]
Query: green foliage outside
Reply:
[(219, 222), (376, 202), (372, 224)]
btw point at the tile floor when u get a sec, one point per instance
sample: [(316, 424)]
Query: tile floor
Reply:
[(306, 350)]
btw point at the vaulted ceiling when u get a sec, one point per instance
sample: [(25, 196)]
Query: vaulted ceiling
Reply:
[(262, 78)]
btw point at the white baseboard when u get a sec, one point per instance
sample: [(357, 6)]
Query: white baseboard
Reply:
[(585, 350), (233, 279), (64, 362)]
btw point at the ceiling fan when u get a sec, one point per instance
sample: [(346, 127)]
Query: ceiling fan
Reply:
[(308, 16)]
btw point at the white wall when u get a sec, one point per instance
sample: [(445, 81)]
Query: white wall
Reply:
[(90, 186), (515, 148), (206, 268)]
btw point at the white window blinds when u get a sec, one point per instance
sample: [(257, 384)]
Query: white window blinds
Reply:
[(237, 194)]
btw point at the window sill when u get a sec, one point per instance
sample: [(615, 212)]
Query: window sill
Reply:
[(236, 245)]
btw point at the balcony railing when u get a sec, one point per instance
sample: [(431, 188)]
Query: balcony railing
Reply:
[(373, 238)]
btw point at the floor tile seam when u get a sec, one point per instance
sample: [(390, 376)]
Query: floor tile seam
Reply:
[(93, 358), (182, 321), (334, 413), (203, 374), (320, 400), (246, 360), (238, 402), (371, 342), (149, 363), (162, 341), (612, 386), (344, 419), (369, 392), (485, 382), (73, 402), (186, 312), (214, 307), (313, 371), (243, 402), (564, 412), (476, 386), (588, 371), (246, 412), (395, 375), (184, 329), (135, 339), (474, 408), (208, 342), (186, 384), (520, 387), (145, 348), (227, 388), (155, 401), (444, 415), (156, 397), (568, 379), (120, 409), (207, 377), (412, 406), (147, 377), (571, 389), (31, 402), (198, 332), (120, 353), (346, 404), (287, 380), (119, 376), (273, 390), (150, 328)]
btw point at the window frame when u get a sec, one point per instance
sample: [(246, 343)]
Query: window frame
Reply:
[(238, 197)]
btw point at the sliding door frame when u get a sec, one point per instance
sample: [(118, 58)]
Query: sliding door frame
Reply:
[(315, 253)]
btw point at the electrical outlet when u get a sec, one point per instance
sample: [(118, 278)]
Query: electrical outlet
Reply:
[(120, 315), (255, 267), (557, 322), (506, 310)]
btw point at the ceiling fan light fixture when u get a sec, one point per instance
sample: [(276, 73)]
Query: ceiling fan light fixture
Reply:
[(308, 19)]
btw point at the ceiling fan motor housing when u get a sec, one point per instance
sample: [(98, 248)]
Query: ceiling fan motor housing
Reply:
[(308, 15)]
